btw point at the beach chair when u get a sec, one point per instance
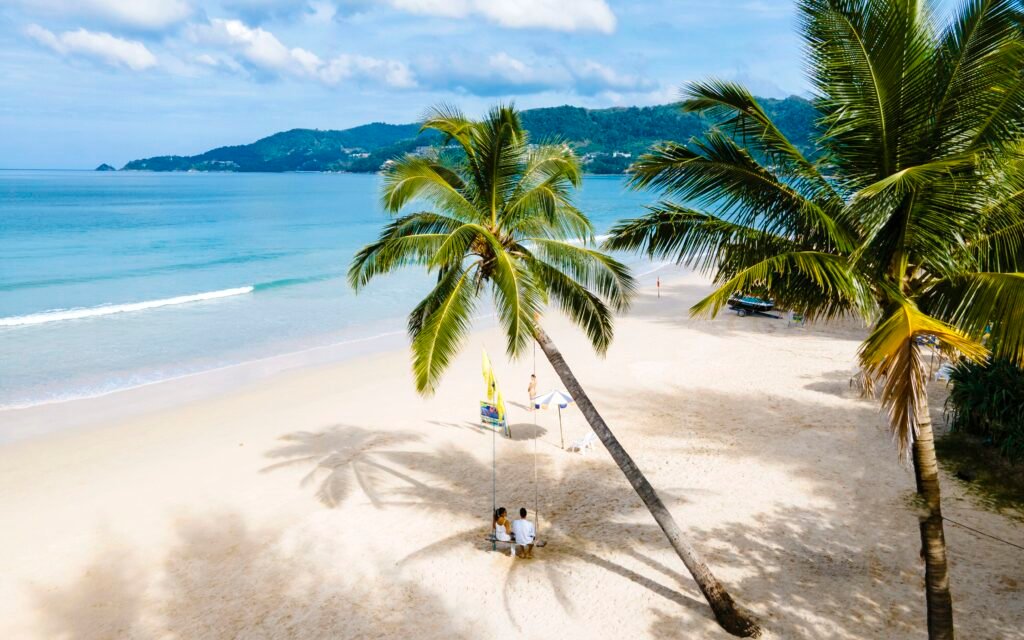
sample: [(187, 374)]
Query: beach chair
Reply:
[(796, 319), (584, 444)]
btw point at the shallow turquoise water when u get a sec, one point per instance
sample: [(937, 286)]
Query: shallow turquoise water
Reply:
[(113, 280)]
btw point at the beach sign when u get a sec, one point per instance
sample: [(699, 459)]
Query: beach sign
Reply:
[(492, 418)]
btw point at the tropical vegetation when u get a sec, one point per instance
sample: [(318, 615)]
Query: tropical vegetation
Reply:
[(911, 217), (985, 400), (605, 140), (497, 219)]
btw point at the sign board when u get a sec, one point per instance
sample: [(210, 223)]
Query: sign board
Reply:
[(489, 417)]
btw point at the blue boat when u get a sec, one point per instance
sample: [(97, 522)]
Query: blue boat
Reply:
[(748, 305)]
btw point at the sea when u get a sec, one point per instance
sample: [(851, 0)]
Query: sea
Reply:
[(115, 280)]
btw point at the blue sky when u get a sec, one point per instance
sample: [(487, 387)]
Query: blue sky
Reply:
[(90, 81)]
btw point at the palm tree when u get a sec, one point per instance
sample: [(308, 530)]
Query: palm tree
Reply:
[(912, 214), (500, 218)]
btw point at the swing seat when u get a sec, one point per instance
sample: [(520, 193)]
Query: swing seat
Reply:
[(536, 543)]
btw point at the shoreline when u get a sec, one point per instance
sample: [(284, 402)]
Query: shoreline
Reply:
[(21, 422)]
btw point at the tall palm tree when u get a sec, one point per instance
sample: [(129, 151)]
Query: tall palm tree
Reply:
[(500, 219), (912, 215)]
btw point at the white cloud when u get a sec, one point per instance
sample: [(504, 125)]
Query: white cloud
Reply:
[(561, 15), (344, 67), (263, 52), (139, 14), (148, 14), (321, 12), (594, 77), (257, 46), (99, 46), (504, 74)]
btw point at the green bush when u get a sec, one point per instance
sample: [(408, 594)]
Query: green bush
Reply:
[(986, 399)]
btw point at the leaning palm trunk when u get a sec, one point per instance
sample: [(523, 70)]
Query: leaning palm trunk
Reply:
[(721, 602), (933, 541)]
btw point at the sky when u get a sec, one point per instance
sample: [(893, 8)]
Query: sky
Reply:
[(89, 81)]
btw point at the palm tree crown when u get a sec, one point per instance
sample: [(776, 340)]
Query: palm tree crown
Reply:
[(912, 215), (499, 216)]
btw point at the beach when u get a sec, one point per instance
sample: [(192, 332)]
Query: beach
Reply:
[(331, 501)]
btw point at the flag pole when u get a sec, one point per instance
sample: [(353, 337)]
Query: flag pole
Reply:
[(561, 433), (494, 486)]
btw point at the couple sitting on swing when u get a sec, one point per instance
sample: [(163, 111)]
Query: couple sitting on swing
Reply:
[(518, 534)]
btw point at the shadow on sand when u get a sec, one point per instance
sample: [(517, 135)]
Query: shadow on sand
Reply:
[(222, 579), (845, 566)]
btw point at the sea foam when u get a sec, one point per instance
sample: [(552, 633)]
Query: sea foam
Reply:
[(59, 315)]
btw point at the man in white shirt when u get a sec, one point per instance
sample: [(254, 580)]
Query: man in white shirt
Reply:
[(524, 534)]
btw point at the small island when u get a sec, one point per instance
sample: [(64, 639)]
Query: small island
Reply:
[(104, 167)]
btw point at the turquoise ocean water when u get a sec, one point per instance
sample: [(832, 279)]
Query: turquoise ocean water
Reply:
[(115, 280)]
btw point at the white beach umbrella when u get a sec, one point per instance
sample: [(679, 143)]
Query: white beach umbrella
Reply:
[(558, 398)]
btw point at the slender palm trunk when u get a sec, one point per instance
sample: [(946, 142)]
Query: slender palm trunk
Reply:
[(721, 602), (933, 541)]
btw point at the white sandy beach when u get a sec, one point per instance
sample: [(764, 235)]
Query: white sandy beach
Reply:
[(333, 502)]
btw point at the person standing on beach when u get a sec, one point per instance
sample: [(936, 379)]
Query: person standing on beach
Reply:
[(532, 389)]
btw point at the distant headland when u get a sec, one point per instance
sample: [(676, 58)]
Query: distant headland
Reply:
[(607, 140)]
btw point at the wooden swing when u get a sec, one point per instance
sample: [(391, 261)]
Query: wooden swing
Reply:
[(492, 538)]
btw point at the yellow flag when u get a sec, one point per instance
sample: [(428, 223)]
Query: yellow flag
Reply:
[(489, 380), (501, 407)]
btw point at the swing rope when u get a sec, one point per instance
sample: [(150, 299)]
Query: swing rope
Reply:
[(536, 495), (494, 468), (494, 484)]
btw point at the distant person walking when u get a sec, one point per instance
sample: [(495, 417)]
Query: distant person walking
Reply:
[(659, 286), (532, 390)]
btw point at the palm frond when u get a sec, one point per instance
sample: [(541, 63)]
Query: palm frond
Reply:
[(737, 111), (584, 308), (459, 243), (452, 123), (891, 353), (1001, 249), (547, 209), (439, 326), (517, 298), (549, 160), (979, 76), (999, 245), (917, 177), (867, 60), (819, 276), (693, 238), (500, 143), (983, 305), (410, 239), (719, 174), (415, 177), (592, 269)]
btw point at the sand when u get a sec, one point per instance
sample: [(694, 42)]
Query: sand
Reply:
[(333, 502)]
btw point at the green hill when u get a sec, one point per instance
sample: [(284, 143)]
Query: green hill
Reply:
[(607, 140)]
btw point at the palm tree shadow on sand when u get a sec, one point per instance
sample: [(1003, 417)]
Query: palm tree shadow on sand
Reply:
[(453, 481), (338, 456), (224, 579)]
